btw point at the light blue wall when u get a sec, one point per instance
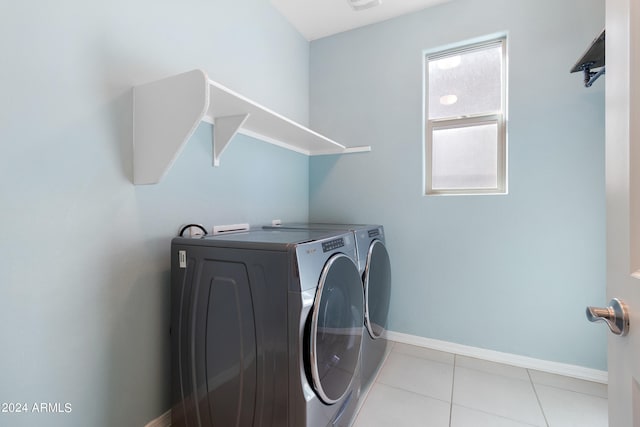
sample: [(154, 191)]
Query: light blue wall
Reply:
[(84, 254), (509, 273)]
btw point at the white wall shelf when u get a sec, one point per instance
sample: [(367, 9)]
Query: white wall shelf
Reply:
[(167, 112)]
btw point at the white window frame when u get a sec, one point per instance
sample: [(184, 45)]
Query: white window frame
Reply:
[(493, 117)]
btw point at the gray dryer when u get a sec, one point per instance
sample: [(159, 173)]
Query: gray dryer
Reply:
[(375, 267)]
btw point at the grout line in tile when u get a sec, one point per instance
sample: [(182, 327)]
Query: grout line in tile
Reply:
[(558, 387), (413, 392), (365, 396), (361, 405), (453, 383), (412, 356), (497, 415), (566, 390), (500, 374), (535, 391)]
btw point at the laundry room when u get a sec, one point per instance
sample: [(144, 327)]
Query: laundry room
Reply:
[(87, 189)]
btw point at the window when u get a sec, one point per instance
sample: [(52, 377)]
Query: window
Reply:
[(465, 120)]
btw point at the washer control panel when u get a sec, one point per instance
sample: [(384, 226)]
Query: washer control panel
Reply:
[(332, 244)]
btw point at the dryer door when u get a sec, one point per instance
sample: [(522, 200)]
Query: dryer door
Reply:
[(377, 289), (336, 328)]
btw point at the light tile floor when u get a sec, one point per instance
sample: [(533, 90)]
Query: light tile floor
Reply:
[(421, 387)]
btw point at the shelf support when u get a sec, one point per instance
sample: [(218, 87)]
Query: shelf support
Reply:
[(165, 115), (224, 129), (592, 76)]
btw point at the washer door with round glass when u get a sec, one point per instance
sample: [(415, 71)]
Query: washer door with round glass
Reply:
[(377, 289), (336, 328)]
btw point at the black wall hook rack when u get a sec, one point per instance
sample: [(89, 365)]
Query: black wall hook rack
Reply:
[(594, 57)]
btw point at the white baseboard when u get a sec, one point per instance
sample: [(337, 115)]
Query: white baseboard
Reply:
[(163, 420), (573, 371)]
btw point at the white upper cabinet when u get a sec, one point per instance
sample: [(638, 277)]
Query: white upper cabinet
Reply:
[(167, 112)]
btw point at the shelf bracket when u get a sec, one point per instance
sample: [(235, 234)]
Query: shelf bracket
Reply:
[(165, 115), (224, 129), (592, 76)]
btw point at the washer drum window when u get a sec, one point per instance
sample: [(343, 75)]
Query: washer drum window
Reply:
[(336, 328)]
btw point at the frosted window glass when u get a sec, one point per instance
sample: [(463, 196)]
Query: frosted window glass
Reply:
[(466, 83), (465, 158)]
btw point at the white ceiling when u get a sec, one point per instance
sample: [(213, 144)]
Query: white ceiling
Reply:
[(315, 19)]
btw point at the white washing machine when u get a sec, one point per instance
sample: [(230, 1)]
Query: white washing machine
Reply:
[(375, 267), (266, 329)]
